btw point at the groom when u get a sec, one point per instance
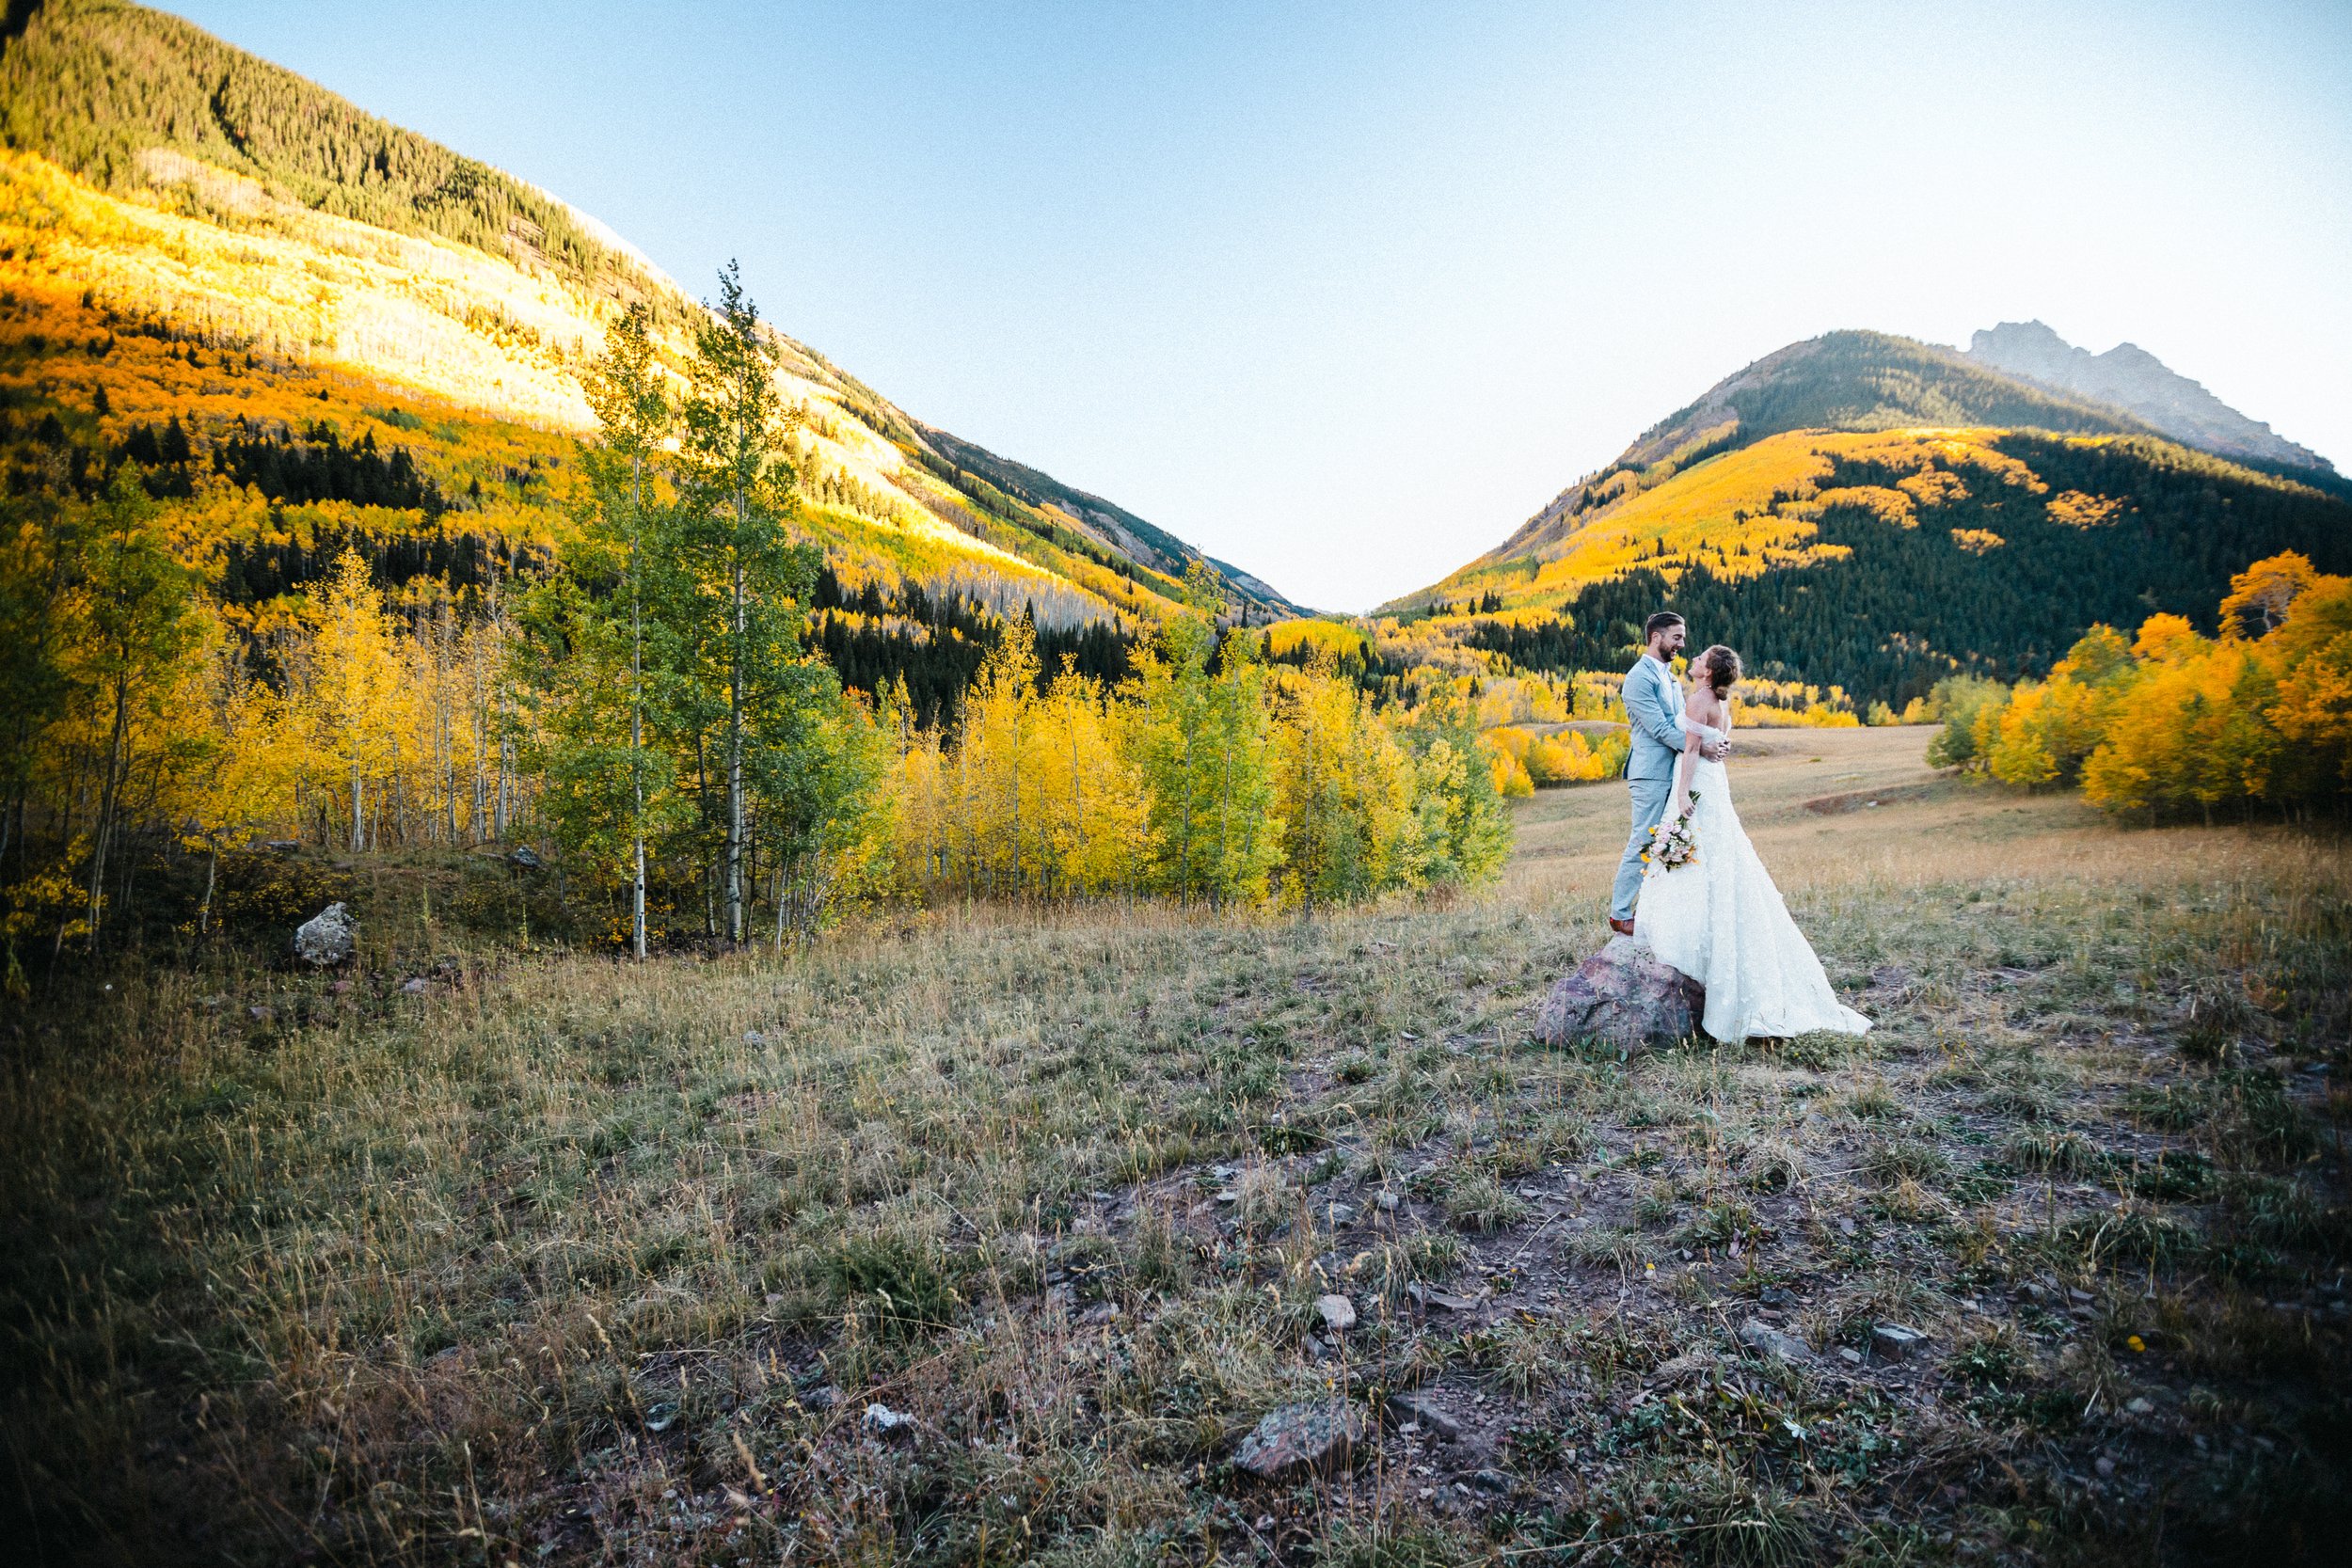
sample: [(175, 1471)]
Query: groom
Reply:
[(1653, 710)]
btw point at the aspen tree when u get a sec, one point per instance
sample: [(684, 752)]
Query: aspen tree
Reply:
[(740, 482)]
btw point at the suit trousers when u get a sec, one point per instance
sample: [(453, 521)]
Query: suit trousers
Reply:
[(1649, 805)]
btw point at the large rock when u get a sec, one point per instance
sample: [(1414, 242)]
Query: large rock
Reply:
[(1301, 1436), (327, 938), (1622, 996)]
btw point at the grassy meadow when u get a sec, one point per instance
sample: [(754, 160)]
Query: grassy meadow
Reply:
[(489, 1254)]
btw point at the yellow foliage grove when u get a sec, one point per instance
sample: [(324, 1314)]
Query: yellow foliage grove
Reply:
[(2171, 723), (1245, 784)]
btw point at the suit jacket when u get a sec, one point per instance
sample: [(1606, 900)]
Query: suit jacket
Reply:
[(1653, 709)]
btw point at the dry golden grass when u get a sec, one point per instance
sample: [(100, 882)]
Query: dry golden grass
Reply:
[(566, 1261)]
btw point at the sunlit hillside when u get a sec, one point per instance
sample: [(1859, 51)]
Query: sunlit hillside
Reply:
[(253, 262), (1825, 513)]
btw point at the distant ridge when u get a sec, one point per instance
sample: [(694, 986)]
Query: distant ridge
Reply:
[(2135, 380)]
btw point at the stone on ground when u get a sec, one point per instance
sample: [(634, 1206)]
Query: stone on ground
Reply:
[(1431, 1416), (327, 938), (1338, 1312), (1622, 996), (1765, 1340), (1301, 1436), (1895, 1342)]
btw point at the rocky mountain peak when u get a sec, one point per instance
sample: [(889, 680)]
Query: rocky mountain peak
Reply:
[(2135, 380)]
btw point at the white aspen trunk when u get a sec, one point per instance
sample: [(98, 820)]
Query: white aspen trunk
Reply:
[(735, 751)]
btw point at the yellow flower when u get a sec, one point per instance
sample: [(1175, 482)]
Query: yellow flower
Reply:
[(2138, 1345)]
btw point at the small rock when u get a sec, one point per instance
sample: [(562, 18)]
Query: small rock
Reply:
[(327, 939), (1223, 1173), (1530, 1194), (525, 860), (2080, 1298), (1339, 1216), (881, 1419), (1228, 1195), (2104, 1466), (1443, 1301), (1301, 1436), (823, 1396), (2140, 1407), (261, 1012), (1621, 996), (1388, 1202), (1101, 1312), (416, 986), (1765, 1340), (1851, 1355), (753, 1036), (1845, 1225), (1423, 1411), (1773, 1296), (1493, 1483), (1339, 1313), (1894, 1343)]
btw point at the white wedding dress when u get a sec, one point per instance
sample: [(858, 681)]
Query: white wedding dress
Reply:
[(1720, 920)]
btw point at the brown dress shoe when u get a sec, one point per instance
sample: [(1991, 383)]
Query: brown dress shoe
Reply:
[(1623, 927)]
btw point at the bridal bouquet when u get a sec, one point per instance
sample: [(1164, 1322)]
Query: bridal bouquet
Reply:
[(1676, 844)]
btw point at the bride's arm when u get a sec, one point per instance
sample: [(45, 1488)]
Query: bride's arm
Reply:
[(1680, 802)]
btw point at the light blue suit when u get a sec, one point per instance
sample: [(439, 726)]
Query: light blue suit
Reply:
[(1653, 711)]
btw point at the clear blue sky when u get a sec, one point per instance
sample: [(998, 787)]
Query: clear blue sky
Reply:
[(1343, 293)]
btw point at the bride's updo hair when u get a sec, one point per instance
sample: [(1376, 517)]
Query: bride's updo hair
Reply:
[(1719, 667)]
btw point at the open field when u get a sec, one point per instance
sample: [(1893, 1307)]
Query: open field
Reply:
[(547, 1260)]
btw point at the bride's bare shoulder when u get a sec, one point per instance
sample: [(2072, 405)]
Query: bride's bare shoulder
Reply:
[(1708, 708)]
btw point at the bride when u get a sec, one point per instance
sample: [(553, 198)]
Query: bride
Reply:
[(1718, 918)]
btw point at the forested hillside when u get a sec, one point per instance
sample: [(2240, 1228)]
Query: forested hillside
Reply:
[(1871, 514), (1898, 561), (270, 241), (1852, 381)]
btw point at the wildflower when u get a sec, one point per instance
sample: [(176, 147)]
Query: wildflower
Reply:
[(2138, 1345)]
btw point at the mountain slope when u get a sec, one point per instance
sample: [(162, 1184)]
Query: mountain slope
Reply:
[(190, 234), (1839, 381), (2131, 378), (1872, 513)]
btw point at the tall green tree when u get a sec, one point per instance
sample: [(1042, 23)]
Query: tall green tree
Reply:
[(1465, 830), (1204, 744), (625, 389), (754, 584)]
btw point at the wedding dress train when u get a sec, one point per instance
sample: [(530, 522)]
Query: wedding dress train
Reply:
[(1720, 920)]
